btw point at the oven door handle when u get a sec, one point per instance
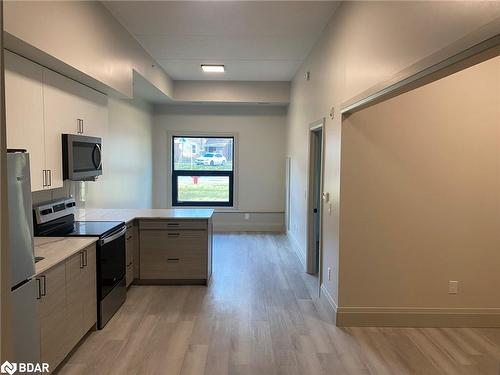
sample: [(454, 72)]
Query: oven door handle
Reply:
[(113, 237)]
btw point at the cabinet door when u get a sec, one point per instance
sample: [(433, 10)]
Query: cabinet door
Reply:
[(94, 107), (89, 297), (52, 310), (129, 255), (24, 112), (62, 110), (74, 291)]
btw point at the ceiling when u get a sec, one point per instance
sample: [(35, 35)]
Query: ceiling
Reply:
[(255, 40)]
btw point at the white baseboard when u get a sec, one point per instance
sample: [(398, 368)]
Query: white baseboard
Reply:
[(327, 298), (240, 221), (298, 249), (249, 227), (417, 317)]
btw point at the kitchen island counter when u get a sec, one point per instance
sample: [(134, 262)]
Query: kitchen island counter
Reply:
[(57, 249)]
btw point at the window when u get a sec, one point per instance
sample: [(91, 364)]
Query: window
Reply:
[(202, 171)]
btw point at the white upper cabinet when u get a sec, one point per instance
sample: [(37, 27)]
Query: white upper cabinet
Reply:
[(24, 112), (94, 113), (73, 107), (41, 105)]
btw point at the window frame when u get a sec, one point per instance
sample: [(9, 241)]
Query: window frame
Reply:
[(224, 173)]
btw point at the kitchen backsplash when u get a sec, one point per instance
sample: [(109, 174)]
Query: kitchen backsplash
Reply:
[(77, 189)]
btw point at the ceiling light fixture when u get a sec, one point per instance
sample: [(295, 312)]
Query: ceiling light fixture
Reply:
[(212, 68)]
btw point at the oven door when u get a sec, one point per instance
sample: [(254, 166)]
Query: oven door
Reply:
[(82, 157), (110, 261)]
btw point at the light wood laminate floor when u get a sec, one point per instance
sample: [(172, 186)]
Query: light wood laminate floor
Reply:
[(260, 316)]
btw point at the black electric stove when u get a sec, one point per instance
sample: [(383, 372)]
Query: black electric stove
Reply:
[(57, 219), (84, 229)]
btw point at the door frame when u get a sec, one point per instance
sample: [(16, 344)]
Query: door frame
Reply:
[(310, 253)]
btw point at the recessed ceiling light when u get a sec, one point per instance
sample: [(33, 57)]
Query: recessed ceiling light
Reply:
[(212, 68)]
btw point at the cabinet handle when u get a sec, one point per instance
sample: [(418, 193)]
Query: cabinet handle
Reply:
[(85, 258), (49, 172), (39, 289), (43, 177), (172, 224), (128, 265), (83, 129), (173, 260), (129, 238), (81, 260), (174, 234), (79, 123), (44, 290)]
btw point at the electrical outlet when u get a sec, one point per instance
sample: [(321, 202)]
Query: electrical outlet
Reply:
[(453, 287), (329, 274), (247, 216)]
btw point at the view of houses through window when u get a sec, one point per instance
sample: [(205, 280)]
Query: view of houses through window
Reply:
[(202, 171)]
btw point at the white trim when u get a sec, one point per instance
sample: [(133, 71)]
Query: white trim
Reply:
[(298, 250), (329, 299), (318, 125)]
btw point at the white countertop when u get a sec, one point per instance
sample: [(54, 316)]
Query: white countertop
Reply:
[(57, 249), (129, 214)]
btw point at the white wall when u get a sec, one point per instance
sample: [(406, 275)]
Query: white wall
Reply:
[(420, 198), (365, 43), (127, 161), (233, 91), (127, 166), (260, 132)]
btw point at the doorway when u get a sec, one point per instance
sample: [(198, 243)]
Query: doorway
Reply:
[(315, 188)]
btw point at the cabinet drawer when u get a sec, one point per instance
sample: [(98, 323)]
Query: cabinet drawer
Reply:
[(168, 267), (172, 224), (167, 254), (194, 241)]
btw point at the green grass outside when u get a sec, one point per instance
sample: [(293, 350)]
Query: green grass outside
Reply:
[(203, 193)]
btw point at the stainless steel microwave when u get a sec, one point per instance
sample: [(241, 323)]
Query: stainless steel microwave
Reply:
[(82, 157)]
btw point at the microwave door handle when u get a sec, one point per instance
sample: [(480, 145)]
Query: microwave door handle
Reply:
[(97, 147), (100, 155)]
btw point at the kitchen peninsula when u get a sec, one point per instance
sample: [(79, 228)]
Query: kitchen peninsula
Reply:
[(163, 246)]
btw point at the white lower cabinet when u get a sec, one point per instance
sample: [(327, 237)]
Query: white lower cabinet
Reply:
[(67, 305), (41, 105)]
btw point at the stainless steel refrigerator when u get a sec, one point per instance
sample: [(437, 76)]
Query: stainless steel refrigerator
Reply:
[(24, 307)]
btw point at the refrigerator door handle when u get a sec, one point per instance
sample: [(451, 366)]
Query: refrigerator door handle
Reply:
[(38, 289), (44, 290)]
